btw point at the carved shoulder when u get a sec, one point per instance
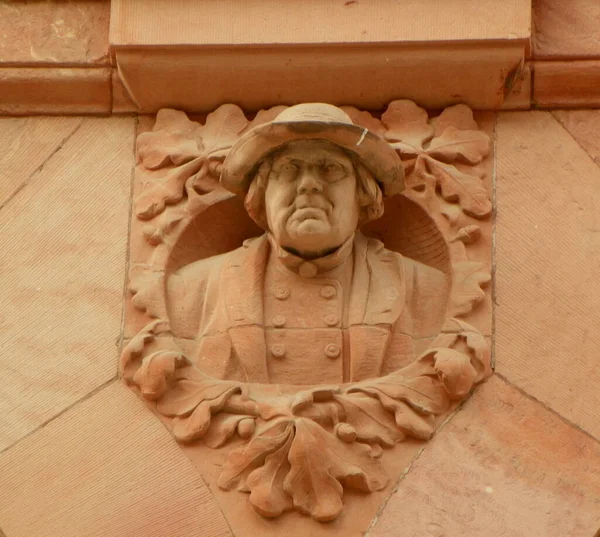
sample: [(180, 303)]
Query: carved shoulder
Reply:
[(427, 295), (191, 293)]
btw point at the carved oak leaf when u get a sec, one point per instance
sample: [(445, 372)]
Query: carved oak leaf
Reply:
[(188, 428), (417, 385), (243, 460), (174, 122), (192, 404), (465, 146), (221, 130), (155, 372), (410, 422), (320, 464), (369, 420), (455, 371), (407, 125), (297, 459), (456, 329), (481, 352), (467, 279), (364, 119), (172, 141), (459, 116), (267, 494), (158, 149), (178, 150), (428, 151), (147, 287), (466, 189), (134, 348), (165, 189), (186, 395), (449, 376)]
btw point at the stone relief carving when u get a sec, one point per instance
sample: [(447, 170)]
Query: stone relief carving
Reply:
[(312, 348)]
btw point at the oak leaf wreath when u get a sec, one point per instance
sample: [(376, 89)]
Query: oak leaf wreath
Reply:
[(301, 449)]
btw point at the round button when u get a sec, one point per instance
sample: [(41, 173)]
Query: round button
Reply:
[(391, 293), (332, 350), (331, 319), (281, 293), (278, 320), (278, 350), (328, 291)]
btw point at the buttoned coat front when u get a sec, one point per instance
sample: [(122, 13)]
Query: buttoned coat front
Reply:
[(397, 307)]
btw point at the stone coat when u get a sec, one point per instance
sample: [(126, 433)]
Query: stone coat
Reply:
[(397, 307)]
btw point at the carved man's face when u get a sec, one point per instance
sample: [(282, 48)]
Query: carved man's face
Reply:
[(311, 198)]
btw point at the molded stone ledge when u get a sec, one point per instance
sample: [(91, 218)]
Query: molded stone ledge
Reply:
[(49, 90), (196, 56), (562, 84), (368, 76)]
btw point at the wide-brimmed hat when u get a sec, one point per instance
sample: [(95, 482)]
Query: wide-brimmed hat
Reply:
[(312, 121)]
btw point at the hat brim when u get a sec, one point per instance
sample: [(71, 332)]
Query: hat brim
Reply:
[(372, 150)]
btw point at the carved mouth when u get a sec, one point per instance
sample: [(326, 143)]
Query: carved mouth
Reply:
[(309, 213)]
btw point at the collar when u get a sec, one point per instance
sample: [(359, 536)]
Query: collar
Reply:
[(314, 267)]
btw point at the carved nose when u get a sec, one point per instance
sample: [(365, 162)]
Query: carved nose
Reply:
[(308, 183)]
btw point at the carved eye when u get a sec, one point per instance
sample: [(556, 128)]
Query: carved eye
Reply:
[(287, 171), (332, 171)]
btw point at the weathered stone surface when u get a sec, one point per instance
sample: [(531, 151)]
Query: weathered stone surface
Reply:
[(64, 237), (504, 465), (584, 126), (547, 264), (26, 145), (106, 468), (48, 90), (565, 30), (71, 32), (566, 84), (519, 96), (322, 21), (121, 101)]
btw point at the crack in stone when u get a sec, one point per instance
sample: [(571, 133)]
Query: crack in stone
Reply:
[(58, 415), (41, 167)]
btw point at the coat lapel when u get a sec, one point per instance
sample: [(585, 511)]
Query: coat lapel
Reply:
[(376, 301), (242, 288)]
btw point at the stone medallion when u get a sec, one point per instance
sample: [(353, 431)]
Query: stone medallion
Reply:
[(309, 296)]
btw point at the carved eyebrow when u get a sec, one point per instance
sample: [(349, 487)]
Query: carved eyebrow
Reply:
[(318, 161), (329, 160), (286, 159)]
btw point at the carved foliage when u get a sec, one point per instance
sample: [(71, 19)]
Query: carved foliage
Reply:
[(300, 450), (433, 153), (305, 447)]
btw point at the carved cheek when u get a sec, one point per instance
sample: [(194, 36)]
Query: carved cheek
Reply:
[(278, 197), (343, 197)]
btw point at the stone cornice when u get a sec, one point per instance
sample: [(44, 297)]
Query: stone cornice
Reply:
[(195, 56)]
